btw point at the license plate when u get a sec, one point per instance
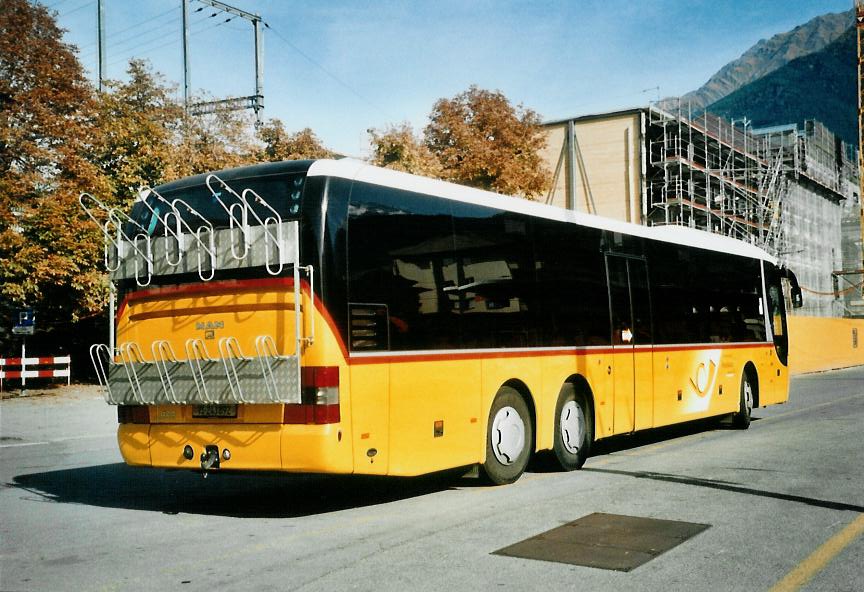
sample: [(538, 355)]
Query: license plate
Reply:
[(210, 410)]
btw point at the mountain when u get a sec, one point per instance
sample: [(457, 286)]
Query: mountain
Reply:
[(769, 55), (821, 85)]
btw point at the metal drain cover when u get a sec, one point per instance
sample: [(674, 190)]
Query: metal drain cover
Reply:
[(606, 541)]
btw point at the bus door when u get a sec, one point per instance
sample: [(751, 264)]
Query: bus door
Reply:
[(632, 365)]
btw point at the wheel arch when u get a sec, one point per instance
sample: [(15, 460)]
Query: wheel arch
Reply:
[(753, 376)]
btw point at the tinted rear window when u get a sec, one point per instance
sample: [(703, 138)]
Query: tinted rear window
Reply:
[(283, 193)]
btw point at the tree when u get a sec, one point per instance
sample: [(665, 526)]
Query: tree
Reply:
[(49, 255), (148, 137), (280, 145), (213, 142), (140, 125), (483, 141), (397, 147)]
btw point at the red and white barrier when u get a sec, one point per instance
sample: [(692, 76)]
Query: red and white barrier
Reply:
[(23, 368)]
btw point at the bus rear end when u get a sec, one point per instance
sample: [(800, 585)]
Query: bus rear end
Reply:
[(223, 358)]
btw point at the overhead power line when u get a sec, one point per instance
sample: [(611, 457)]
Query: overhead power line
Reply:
[(54, 5), (330, 74), (74, 10), (156, 43), (134, 26)]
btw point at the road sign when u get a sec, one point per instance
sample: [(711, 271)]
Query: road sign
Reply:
[(24, 322)]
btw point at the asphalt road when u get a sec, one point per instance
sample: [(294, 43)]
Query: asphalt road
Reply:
[(784, 501)]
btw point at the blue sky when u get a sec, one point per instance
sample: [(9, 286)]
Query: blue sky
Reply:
[(342, 67)]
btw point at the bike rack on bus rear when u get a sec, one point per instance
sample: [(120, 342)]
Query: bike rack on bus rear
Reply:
[(189, 243)]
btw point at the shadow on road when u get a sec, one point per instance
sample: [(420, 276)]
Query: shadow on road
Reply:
[(732, 487), (225, 494), (261, 495)]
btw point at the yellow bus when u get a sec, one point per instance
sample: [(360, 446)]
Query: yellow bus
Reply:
[(333, 317)]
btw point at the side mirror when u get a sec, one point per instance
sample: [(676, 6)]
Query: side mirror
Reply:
[(794, 288), (797, 298)]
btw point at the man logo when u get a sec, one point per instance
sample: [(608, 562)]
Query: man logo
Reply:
[(209, 328)]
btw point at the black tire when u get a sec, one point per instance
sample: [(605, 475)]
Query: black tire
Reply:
[(741, 420), (574, 429), (509, 437)]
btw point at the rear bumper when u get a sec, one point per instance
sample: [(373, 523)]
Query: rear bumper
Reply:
[(253, 447)]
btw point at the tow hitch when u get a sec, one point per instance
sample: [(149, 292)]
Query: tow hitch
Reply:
[(210, 459)]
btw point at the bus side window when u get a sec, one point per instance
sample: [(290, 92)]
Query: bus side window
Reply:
[(401, 255), (571, 284), (494, 293)]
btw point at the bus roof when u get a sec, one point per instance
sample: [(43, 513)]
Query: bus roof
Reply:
[(244, 172), (359, 171)]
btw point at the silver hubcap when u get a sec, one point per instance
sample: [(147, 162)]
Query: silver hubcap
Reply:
[(508, 435), (748, 397), (572, 427)]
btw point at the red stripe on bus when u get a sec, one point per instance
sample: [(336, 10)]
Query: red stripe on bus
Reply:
[(388, 357), (703, 346), (221, 286)]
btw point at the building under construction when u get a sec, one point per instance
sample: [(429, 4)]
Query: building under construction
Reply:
[(791, 190)]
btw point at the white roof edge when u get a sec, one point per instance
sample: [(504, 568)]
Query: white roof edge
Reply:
[(355, 170)]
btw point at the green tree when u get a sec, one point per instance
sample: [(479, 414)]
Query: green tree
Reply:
[(49, 257), (280, 145), (140, 124), (397, 147), (483, 141)]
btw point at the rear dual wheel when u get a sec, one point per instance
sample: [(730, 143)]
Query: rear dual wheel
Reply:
[(574, 429)]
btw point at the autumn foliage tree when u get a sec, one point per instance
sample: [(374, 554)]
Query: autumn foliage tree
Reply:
[(278, 144), (48, 254), (398, 147), (138, 125), (148, 138), (477, 138), (483, 141)]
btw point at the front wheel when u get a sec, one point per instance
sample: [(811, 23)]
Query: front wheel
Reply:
[(741, 420), (509, 439), (574, 429)]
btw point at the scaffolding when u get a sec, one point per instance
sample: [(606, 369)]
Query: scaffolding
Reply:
[(789, 190), (710, 174)]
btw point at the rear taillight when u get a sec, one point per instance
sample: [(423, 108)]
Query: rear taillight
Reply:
[(319, 397), (133, 414)]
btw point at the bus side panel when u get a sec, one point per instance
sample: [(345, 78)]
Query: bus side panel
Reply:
[(556, 371), (529, 371), (773, 379), (370, 417), (696, 383), (422, 394), (643, 368), (668, 391), (595, 368), (623, 373), (687, 384)]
